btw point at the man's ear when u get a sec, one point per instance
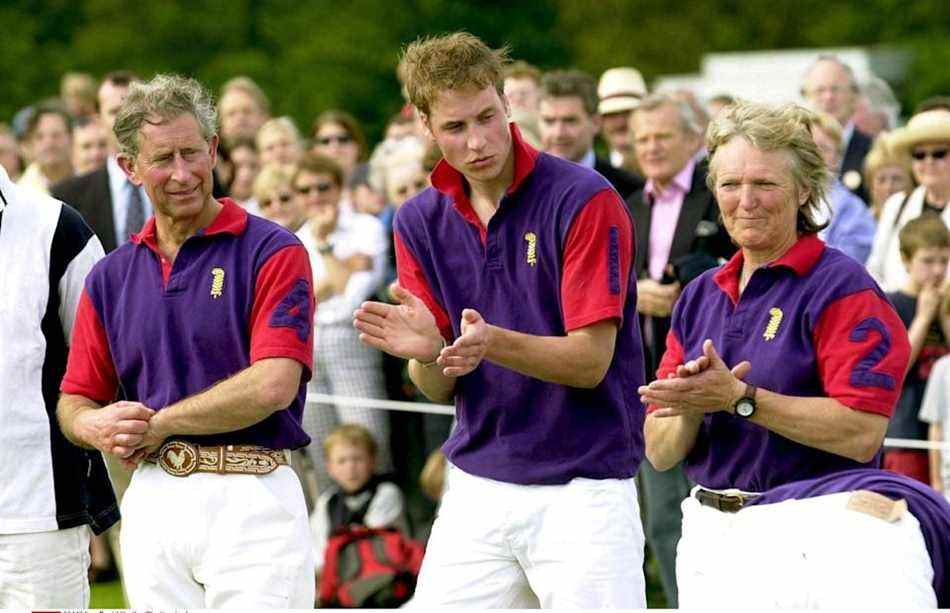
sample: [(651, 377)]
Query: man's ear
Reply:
[(127, 165), (424, 118), (213, 149)]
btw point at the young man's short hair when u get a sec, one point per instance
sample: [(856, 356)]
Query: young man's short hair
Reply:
[(435, 64), (926, 231), (571, 84), (350, 434)]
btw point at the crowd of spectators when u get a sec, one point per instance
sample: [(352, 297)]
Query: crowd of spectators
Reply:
[(338, 191)]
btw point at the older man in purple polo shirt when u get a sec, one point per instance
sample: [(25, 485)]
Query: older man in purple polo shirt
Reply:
[(190, 356), (518, 301)]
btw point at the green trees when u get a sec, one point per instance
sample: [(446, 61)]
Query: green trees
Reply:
[(313, 55)]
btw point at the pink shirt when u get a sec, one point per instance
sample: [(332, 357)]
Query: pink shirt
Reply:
[(665, 212)]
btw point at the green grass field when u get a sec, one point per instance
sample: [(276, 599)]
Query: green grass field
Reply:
[(107, 596)]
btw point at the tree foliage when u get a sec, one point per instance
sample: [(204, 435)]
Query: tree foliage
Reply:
[(311, 56)]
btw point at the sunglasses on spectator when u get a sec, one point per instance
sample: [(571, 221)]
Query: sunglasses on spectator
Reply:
[(320, 188), (340, 139), (921, 155), (283, 198)]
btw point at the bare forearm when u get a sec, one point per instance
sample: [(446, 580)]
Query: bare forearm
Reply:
[(935, 436), (574, 360), (917, 333), (431, 382), (235, 403), (822, 423), (69, 407), (337, 275), (670, 439)]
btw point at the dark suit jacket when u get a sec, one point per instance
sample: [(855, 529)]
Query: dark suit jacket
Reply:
[(626, 183), (853, 160), (89, 194), (698, 242)]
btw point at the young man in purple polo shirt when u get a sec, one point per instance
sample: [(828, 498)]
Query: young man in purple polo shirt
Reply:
[(201, 327), (518, 301)]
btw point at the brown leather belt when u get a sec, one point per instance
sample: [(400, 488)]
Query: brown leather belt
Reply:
[(727, 503), (180, 459)]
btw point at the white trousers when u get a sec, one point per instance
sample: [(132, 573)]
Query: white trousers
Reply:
[(213, 541), (802, 554), (45, 570), (501, 545)]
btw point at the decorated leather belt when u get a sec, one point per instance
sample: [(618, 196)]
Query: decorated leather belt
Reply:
[(180, 459), (727, 502)]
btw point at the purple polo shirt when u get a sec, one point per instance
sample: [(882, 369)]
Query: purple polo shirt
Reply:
[(812, 323), (156, 332), (930, 508), (520, 272)]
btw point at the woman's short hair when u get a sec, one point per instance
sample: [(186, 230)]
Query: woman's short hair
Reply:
[(881, 155), (318, 164), (349, 123), (283, 125), (163, 99), (769, 127), (271, 177)]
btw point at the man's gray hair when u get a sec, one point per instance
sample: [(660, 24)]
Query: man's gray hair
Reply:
[(834, 59), (165, 98), (689, 121), (881, 99)]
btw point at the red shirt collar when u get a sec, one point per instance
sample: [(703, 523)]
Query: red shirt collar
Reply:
[(231, 219), (451, 182), (800, 259)]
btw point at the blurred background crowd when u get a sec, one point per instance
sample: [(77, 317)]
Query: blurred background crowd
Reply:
[(316, 136)]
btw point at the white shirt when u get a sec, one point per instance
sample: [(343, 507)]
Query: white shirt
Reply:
[(935, 409), (355, 233), (121, 190)]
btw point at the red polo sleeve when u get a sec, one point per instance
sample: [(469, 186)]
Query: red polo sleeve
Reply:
[(672, 357), (598, 254), (90, 371), (863, 351), (412, 278), (282, 313)]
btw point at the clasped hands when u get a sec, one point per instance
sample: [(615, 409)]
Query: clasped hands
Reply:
[(124, 429), (408, 330), (700, 386)]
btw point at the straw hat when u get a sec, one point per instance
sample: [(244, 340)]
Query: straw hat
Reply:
[(620, 89), (923, 127)]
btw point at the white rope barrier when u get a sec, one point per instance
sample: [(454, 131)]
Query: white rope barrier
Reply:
[(377, 403), (445, 409)]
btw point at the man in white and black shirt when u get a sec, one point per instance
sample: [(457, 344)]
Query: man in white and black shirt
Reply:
[(51, 492)]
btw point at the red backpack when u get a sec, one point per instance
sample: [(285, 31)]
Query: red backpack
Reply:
[(369, 568)]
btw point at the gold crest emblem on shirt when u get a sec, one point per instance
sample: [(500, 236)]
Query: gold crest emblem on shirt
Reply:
[(532, 239), (775, 320), (217, 282)]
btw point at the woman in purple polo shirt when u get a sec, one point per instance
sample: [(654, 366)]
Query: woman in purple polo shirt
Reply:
[(782, 367)]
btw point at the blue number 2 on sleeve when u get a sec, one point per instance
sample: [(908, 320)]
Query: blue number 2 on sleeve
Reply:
[(862, 374)]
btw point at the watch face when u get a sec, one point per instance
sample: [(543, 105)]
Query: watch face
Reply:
[(745, 408)]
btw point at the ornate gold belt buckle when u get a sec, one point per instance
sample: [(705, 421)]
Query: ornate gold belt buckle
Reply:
[(178, 458)]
